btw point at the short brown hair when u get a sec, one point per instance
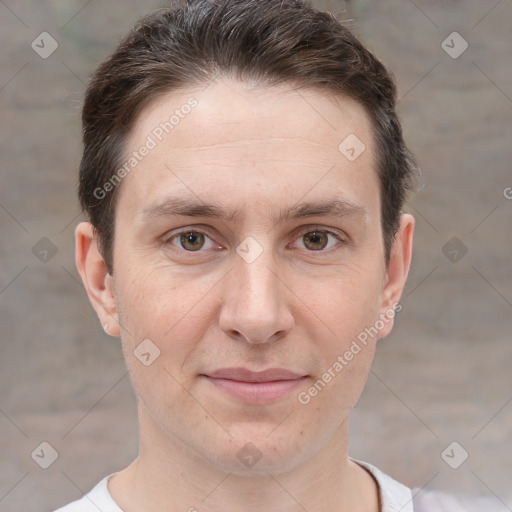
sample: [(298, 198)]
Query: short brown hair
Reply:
[(268, 41)]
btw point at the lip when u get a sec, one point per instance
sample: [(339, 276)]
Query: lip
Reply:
[(255, 387), (246, 375)]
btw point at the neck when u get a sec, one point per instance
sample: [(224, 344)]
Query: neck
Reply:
[(169, 476)]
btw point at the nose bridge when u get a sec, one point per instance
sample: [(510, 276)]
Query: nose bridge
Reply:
[(255, 307)]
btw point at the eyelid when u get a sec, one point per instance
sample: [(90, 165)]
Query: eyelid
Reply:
[(315, 227), (175, 232)]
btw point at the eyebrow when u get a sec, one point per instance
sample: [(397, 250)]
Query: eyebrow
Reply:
[(178, 206)]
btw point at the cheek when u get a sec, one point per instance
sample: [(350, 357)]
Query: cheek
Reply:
[(173, 311), (344, 304), (343, 313), (163, 324), (160, 302)]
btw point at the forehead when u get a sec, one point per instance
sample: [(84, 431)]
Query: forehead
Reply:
[(232, 141)]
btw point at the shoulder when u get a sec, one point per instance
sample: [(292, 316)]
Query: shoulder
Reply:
[(96, 499), (393, 495), (438, 501)]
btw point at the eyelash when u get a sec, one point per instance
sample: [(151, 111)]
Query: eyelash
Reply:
[(167, 238)]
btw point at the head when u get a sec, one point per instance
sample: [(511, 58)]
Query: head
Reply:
[(243, 175)]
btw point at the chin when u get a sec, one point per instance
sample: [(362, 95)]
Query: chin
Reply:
[(254, 452)]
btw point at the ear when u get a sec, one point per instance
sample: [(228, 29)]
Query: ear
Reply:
[(97, 281), (396, 273)]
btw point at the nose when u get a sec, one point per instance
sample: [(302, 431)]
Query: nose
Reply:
[(255, 307)]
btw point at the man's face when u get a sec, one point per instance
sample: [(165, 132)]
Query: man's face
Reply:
[(255, 291)]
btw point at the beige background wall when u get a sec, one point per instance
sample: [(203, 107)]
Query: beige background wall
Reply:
[(443, 375)]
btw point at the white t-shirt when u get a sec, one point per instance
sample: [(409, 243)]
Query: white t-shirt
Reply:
[(394, 497)]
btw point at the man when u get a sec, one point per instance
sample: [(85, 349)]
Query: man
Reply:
[(243, 176)]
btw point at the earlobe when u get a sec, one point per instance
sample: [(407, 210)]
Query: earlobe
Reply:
[(95, 277), (397, 271)]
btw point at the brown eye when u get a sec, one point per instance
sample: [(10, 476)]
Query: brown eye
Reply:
[(189, 241), (320, 240), (192, 240), (316, 240)]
